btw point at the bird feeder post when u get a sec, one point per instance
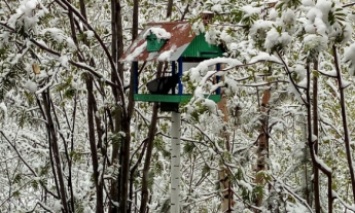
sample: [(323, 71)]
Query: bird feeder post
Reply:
[(183, 46), (175, 162), (135, 76), (180, 66)]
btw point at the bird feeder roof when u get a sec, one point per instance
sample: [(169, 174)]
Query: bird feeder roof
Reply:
[(172, 39)]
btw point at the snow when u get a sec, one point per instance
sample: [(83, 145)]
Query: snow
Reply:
[(71, 43), (90, 34), (274, 38), (30, 86), (314, 138), (345, 83), (64, 61), (332, 73), (263, 56), (288, 16), (203, 66), (3, 107), (55, 33), (217, 8), (303, 83), (308, 3), (166, 55), (315, 42), (333, 87), (182, 26), (349, 56), (292, 89), (322, 164), (260, 25), (137, 51), (160, 33), (324, 6), (250, 10)]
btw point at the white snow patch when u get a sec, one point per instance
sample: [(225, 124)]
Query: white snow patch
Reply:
[(349, 56), (315, 42), (314, 138), (322, 164), (217, 8), (274, 38), (345, 83), (159, 32), (30, 86), (250, 10), (302, 83), (332, 73), (64, 61), (263, 56), (288, 16), (166, 55), (90, 34), (3, 107), (137, 51)]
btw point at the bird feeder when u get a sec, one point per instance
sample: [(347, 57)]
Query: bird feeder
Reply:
[(172, 42), (176, 43)]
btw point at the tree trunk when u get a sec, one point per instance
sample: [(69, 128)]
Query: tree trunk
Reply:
[(344, 119), (55, 150), (263, 145), (315, 132), (94, 157), (224, 173)]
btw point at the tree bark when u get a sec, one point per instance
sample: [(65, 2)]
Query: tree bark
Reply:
[(315, 132), (263, 144), (224, 174), (55, 150), (148, 156), (94, 156), (345, 122)]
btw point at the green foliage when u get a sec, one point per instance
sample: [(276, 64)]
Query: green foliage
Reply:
[(189, 148)]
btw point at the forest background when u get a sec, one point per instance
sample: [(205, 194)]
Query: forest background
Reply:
[(73, 140)]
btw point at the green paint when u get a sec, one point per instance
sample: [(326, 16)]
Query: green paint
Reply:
[(199, 48), (154, 44)]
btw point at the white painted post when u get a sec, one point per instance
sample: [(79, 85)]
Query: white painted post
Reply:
[(175, 162)]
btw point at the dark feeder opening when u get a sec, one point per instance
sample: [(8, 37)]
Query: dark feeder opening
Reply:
[(163, 86)]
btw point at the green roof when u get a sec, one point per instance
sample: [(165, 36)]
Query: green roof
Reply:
[(199, 48)]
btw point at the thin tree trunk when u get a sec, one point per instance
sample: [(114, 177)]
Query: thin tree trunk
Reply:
[(120, 151), (94, 157), (345, 122), (311, 141), (224, 174), (169, 8), (263, 143), (55, 150), (151, 135), (150, 145), (315, 145), (131, 102)]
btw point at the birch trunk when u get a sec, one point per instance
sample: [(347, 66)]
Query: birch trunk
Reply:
[(175, 162)]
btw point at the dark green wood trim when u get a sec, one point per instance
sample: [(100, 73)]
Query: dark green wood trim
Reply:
[(171, 98)]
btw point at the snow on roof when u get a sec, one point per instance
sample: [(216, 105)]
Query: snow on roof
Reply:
[(179, 35), (159, 32)]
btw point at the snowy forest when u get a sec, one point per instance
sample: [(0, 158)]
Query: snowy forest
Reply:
[(74, 139)]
